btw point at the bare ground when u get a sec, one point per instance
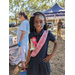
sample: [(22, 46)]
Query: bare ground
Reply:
[(57, 62)]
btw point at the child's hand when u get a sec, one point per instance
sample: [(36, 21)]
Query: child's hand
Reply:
[(47, 58), (26, 63), (23, 64)]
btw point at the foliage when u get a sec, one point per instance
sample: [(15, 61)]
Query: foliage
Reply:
[(31, 6)]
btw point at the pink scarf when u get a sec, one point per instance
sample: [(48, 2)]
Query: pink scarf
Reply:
[(40, 44)]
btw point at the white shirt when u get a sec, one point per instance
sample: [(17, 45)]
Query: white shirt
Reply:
[(24, 26)]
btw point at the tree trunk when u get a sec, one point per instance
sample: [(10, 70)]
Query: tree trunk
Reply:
[(16, 19)]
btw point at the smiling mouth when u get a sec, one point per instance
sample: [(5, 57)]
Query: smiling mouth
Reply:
[(40, 27)]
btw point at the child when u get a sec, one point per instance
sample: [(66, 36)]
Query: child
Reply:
[(39, 63)]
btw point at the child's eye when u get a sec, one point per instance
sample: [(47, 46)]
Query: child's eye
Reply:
[(36, 22), (40, 21)]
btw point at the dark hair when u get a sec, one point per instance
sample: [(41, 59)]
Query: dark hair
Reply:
[(24, 14), (32, 28)]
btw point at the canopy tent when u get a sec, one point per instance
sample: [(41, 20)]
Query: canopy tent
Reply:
[(55, 12)]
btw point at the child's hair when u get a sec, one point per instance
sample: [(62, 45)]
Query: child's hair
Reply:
[(24, 14), (32, 28)]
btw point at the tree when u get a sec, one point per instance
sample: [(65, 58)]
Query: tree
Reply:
[(60, 2), (31, 6), (15, 6)]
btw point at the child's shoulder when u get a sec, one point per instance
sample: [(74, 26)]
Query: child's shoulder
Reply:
[(31, 34), (50, 33)]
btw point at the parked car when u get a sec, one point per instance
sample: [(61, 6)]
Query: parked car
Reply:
[(63, 25), (50, 24), (12, 24)]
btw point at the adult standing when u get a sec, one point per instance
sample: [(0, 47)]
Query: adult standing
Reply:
[(59, 27), (22, 36)]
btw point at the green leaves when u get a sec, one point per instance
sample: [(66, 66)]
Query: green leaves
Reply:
[(10, 1), (31, 6)]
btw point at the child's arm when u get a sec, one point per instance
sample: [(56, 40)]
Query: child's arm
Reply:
[(28, 56), (52, 54), (55, 47)]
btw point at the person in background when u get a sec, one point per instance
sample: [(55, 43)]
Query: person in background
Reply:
[(22, 36), (59, 27)]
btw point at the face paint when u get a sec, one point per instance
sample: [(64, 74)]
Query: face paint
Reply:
[(42, 25), (39, 16)]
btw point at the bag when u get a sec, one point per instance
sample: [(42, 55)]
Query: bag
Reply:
[(23, 72)]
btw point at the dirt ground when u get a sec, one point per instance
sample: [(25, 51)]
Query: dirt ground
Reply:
[(57, 62)]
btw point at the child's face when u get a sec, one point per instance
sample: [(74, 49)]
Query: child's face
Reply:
[(39, 22)]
